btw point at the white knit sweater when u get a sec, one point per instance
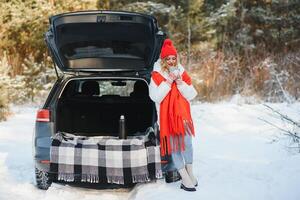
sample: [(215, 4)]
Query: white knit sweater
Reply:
[(159, 92)]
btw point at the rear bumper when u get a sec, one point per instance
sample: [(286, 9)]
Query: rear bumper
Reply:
[(42, 166), (41, 145)]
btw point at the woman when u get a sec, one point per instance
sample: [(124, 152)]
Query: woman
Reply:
[(171, 89)]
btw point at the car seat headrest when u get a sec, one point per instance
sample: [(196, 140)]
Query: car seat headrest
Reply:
[(90, 88), (140, 89)]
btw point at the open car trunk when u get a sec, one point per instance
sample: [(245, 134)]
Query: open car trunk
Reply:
[(93, 41), (92, 107)]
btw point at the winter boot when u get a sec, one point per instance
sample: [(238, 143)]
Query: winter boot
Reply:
[(172, 176), (189, 169), (186, 183)]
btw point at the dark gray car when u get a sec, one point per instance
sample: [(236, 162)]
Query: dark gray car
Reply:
[(103, 60)]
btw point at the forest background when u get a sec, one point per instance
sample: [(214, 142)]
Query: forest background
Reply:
[(230, 47)]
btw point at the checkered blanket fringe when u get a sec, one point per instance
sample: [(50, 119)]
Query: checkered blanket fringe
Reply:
[(104, 159)]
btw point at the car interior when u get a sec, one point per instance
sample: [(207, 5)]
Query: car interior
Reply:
[(93, 107)]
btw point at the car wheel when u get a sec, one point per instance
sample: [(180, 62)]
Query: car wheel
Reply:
[(42, 179)]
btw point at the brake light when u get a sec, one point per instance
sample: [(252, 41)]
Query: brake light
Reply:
[(43, 115), (45, 161)]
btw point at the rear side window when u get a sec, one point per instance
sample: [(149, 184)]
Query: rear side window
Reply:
[(52, 92)]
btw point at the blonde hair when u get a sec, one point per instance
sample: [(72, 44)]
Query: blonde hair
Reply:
[(164, 64)]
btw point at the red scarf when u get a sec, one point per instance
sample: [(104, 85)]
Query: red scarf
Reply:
[(175, 116)]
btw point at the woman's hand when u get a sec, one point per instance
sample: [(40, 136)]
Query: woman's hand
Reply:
[(172, 76), (178, 81), (170, 79)]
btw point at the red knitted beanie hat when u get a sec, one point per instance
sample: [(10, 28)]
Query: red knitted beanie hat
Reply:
[(168, 49)]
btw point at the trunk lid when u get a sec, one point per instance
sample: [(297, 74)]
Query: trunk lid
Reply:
[(94, 41)]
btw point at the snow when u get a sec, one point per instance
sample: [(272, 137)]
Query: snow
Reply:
[(236, 156)]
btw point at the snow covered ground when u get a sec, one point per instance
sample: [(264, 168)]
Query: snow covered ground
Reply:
[(235, 158)]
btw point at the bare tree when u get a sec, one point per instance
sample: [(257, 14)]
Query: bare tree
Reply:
[(292, 133)]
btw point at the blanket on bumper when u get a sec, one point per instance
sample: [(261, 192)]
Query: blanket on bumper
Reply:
[(104, 159)]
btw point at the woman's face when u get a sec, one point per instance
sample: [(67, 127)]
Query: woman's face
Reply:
[(171, 61)]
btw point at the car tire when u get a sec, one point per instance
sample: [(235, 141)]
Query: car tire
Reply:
[(42, 179)]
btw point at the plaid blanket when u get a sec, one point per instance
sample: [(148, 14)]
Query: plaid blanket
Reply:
[(104, 159)]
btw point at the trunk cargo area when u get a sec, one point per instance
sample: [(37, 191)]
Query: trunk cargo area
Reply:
[(94, 114)]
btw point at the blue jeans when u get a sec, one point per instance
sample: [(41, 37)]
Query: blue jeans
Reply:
[(181, 158)]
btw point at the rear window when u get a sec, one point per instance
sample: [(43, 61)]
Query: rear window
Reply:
[(105, 45), (105, 40)]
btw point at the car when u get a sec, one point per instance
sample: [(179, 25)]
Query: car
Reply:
[(103, 61)]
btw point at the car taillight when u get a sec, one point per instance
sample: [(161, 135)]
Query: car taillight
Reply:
[(43, 115), (45, 161)]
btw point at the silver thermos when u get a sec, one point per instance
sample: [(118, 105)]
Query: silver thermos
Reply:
[(122, 127)]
